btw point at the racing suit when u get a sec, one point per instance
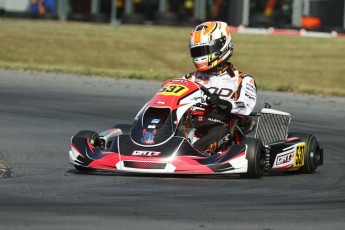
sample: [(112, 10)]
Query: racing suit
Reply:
[(236, 93)]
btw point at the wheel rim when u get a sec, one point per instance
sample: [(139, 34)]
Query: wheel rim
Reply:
[(317, 156)]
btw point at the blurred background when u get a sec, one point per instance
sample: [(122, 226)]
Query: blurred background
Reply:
[(318, 15)]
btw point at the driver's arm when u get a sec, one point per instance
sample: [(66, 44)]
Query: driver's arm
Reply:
[(246, 100)]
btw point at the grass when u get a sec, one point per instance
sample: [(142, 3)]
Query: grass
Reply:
[(282, 63)]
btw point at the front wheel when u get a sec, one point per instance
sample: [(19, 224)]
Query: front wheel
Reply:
[(256, 157), (91, 136)]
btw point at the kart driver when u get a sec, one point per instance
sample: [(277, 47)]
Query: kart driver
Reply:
[(233, 92)]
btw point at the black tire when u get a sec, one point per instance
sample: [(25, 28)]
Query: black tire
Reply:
[(256, 157), (312, 153), (91, 136)]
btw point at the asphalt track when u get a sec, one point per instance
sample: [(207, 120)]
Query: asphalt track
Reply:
[(39, 189)]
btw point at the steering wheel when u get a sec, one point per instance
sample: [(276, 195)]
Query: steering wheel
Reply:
[(204, 89)]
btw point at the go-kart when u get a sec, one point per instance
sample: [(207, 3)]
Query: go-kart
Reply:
[(161, 138)]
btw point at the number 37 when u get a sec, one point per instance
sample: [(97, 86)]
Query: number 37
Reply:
[(172, 89)]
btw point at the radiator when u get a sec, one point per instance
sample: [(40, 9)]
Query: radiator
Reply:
[(272, 125)]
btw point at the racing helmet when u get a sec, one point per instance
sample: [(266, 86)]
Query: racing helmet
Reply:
[(210, 45)]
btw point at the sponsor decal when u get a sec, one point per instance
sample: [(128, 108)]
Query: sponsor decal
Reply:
[(250, 85), (148, 137), (285, 158), (145, 153), (200, 44), (155, 121), (240, 104), (252, 97), (160, 102), (216, 120), (180, 80), (250, 88), (226, 79)]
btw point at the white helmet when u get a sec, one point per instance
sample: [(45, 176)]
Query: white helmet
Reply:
[(210, 45)]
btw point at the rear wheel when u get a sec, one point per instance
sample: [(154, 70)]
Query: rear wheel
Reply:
[(312, 154), (256, 157)]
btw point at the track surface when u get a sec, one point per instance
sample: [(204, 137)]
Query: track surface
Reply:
[(39, 189)]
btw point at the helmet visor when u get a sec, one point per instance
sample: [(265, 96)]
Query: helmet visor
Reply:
[(203, 50)]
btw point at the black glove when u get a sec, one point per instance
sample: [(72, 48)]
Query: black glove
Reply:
[(215, 102), (225, 107)]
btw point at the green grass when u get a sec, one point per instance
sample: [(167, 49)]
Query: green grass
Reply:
[(283, 63)]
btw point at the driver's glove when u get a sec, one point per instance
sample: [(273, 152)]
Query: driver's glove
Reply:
[(221, 105), (213, 100)]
